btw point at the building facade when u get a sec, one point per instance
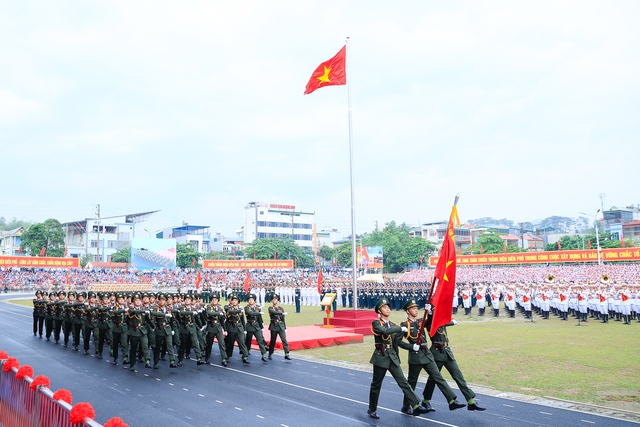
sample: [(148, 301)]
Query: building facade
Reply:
[(10, 242), (269, 221)]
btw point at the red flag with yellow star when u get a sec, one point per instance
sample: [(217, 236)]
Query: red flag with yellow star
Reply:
[(445, 277), (330, 73)]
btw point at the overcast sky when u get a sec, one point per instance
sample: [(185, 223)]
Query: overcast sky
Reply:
[(527, 109)]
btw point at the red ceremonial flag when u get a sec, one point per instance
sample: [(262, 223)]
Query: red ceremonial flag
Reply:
[(275, 255), (234, 254), (444, 281), (559, 246), (194, 262), (589, 243), (602, 298), (247, 281), (19, 250), (198, 279), (525, 298), (562, 298), (329, 73), (621, 240), (66, 250), (42, 251), (481, 249), (254, 255), (320, 280), (624, 297), (335, 261), (421, 259), (504, 247)]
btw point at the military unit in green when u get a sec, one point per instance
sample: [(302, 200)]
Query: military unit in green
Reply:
[(147, 327), (411, 335)]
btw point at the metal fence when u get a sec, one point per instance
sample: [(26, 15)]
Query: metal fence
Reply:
[(22, 407)]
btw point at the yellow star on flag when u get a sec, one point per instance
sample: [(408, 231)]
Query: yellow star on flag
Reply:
[(445, 271), (325, 76)]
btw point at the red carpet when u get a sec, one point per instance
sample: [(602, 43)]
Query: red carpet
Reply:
[(305, 337)]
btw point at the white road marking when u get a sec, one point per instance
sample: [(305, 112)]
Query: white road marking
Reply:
[(201, 395), (508, 406), (217, 401), (546, 413), (260, 416), (587, 421), (185, 389), (239, 409)]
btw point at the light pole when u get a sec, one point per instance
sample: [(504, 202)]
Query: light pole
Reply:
[(595, 220)]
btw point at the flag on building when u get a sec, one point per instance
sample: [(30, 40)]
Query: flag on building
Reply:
[(329, 73), (445, 276)]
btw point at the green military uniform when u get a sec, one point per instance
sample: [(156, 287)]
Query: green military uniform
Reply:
[(137, 320), (67, 307), (421, 358), (49, 313), (189, 322), (103, 316), (162, 333), (443, 356), (214, 317), (254, 326), (278, 327), (89, 321), (385, 358), (234, 326), (58, 316), (119, 331), (39, 309), (78, 314)]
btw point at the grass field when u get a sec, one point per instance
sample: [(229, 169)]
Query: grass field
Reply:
[(597, 363)]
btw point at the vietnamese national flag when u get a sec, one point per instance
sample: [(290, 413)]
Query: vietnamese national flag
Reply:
[(559, 246), (247, 281), (198, 279), (320, 280), (621, 240), (275, 255), (330, 73), (589, 243), (481, 249), (19, 250), (42, 251), (444, 281), (66, 250), (504, 247)]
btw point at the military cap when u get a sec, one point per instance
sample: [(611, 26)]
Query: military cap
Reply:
[(274, 295), (112, 294), (38, 292), (145, 294), (52, 294), (162, 296), (72, 293), (82, 294), (215, 295), (233, 296), (135, 296), (380, 303), (63, 293), (411, 303), (252, 296), (118, 296), (92, 294)]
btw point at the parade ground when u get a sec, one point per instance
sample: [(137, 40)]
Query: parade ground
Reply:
[(594, 363)]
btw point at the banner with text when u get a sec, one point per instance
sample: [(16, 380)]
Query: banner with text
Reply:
[(590, 255), (33, 261), (248, 263)]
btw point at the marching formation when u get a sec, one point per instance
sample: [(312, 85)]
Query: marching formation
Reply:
[(147, 327)]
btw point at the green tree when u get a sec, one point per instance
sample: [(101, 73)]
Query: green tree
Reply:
[(48, 235), (327, 253), (279, 248), (216, 255), (489, 243), (122, 255), (398, 247), (185, 256), (86, 259)]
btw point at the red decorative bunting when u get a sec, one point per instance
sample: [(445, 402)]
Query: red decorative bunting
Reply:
[(64, 395), (40, 380), (80, 412), (24, 371), (11, 362), (115, 422)]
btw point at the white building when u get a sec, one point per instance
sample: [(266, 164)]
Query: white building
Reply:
[(102, 237), (199, 236), (10, 242), (269, 221)]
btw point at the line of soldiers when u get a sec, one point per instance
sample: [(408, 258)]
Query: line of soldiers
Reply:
[(146, 326)]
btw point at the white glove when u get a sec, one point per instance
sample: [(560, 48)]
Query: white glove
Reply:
[(404, 329), (427, 307), (224, 333), (168, 315), (285, 313), (126, 309), (454, 321), (87, 304), (245, 332), (173, 332), (262, 312), (203, 328), (416, 347), (147, 312)]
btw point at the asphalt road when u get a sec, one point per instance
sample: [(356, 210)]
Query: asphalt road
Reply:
[(278, 393)]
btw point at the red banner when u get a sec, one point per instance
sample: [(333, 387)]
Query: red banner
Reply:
[(33, 261), (248, 263), (607, 255)]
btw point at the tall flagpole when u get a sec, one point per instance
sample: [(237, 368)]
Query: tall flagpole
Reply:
[(353, 200)]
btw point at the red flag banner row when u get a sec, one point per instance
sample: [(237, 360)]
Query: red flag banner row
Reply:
[(247, 264)]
